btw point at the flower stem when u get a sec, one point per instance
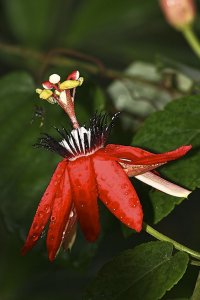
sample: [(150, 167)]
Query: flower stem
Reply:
[(161, 237), (192, 39), (195, 263), (74, 62)]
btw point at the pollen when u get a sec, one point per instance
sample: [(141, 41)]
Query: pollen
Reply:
[(54, 78)]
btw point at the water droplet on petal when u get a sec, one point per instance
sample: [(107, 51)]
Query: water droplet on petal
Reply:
[(34, 237), (124, 185), (53, 218), (71, 214), (47, 209), (40, 214)]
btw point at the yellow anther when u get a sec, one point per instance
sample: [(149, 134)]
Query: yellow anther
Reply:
[(38, 91), (45, 94), (71, 84), (57, 93), (51, 100), (81, 79)]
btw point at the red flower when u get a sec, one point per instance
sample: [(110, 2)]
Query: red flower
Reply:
[(90, 170)]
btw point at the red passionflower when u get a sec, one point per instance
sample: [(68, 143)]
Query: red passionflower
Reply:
[(90, 170)]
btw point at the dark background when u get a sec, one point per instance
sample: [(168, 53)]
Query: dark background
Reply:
[(113, 35)]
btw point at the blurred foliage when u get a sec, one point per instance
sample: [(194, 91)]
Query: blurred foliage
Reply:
[(102, 39)]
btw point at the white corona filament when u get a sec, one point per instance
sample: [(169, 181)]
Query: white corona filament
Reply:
[(74, 133)]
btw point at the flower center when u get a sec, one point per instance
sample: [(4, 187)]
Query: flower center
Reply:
[(80, 141)]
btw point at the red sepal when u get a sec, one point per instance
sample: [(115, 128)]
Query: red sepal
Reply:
[(141, 157), (44, 209), (117, 193), (84, 193), (122, 151), (60, 215)]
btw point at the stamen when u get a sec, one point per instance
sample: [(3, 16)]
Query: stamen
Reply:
[(54, 78), (74, 75), (62, 92), (47, 85)]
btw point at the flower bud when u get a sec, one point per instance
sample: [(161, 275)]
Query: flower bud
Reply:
[(178, 13)]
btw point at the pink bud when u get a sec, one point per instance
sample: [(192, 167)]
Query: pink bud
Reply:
[(47, 85), (74, 75), (178, 13)]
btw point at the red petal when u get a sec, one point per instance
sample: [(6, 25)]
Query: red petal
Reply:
[(137, 161), (85, 196), (70, 230), (163, 157), (117, 192), (123, 151), (60, 215), (44, 209)]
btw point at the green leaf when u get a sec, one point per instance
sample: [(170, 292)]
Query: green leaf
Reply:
[(137, 99), (163, 131), (174, 65), (32, 22), (178, 299), (145, 273)]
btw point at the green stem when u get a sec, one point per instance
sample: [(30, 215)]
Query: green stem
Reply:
[(192, 39), (74, 62), (195, 263), (161, 237)]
